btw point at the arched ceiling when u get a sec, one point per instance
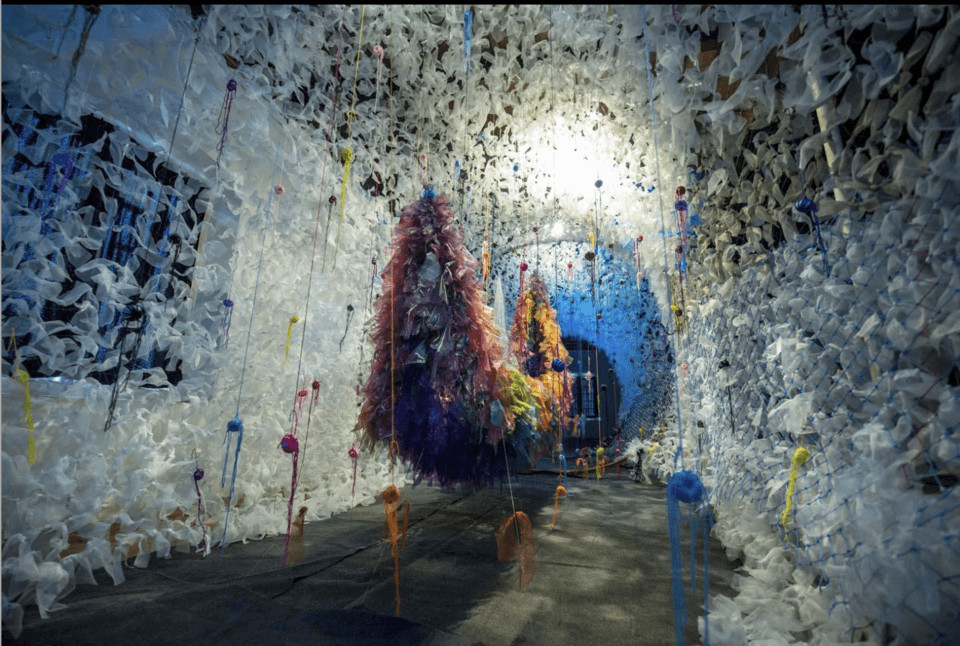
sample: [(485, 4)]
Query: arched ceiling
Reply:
[(560, 94)]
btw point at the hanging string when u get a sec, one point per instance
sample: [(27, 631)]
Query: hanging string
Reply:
[(331, 134), (349, 316), (680, 205), (93, 12), (236, 424), (656, 147), (131, 314), (314, 400), (332, 202), (278, 191), (227, 319), (351, 114), (223, 119), (807, 206), (378, 52), (66, 29), (197, 477), (290, 445)]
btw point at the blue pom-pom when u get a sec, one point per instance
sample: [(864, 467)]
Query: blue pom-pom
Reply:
[(598, 183), (680, 205), (806, 206), (558, 366), (685, 486), (456, 164), (235, 425), (429, 193), (516, 167)]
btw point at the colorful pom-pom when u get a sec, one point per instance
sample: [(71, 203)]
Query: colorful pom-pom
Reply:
[(685, 486), (378, 51), (598, 183), (429, 193), (316, 385), (680, 205), (806, 206), (198, 474), (333, 199), (231, 86), (524, 266), (278, 190), (289, 444), (558, 365), (235, 425), (516, 167), (353, 453)]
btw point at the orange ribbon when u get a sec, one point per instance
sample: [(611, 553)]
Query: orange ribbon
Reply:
[(556, 504), (391, 497)]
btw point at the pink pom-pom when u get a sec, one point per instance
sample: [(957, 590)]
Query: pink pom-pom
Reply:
[(278, 189), (378, 51), (524, 266), (353, 453)]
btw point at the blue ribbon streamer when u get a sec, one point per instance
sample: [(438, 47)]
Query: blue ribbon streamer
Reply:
[(467, 41), (233, 426)]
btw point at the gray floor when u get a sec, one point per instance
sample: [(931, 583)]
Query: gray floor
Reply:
[(603, 576)]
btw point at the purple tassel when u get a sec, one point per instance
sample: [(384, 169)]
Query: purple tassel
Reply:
[(223, 120)]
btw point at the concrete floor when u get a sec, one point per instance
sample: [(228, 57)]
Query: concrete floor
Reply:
[(603, 576)]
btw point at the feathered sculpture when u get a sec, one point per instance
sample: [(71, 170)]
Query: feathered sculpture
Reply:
[(539, 349), (433, 379)]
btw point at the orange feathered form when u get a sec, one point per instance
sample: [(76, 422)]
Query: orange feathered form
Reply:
[(391, 504), (515, 539), (536, 342)]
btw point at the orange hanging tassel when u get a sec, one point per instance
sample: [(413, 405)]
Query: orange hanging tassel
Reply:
[(390, 496), (556, 504), (583, 463), (296, 538), (518, 528)]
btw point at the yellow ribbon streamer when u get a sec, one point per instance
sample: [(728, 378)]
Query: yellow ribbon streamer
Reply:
[(347, 157), (293, 319), (799, 457), (601, 463), (23, 377)]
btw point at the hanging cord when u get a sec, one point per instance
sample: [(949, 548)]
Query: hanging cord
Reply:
[(316, 229), (656, 148), (236, 424), (331, 135), (93, 12), (352, 114)]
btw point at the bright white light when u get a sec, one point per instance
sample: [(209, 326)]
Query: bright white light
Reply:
[(557, 229)]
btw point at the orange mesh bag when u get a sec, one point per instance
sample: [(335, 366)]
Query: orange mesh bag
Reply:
[(507, 548)]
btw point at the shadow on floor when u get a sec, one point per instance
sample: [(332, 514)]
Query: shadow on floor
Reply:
[(603, 576)]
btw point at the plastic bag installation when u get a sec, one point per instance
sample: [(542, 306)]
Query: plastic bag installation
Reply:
[(832, 326), (433, 377)]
